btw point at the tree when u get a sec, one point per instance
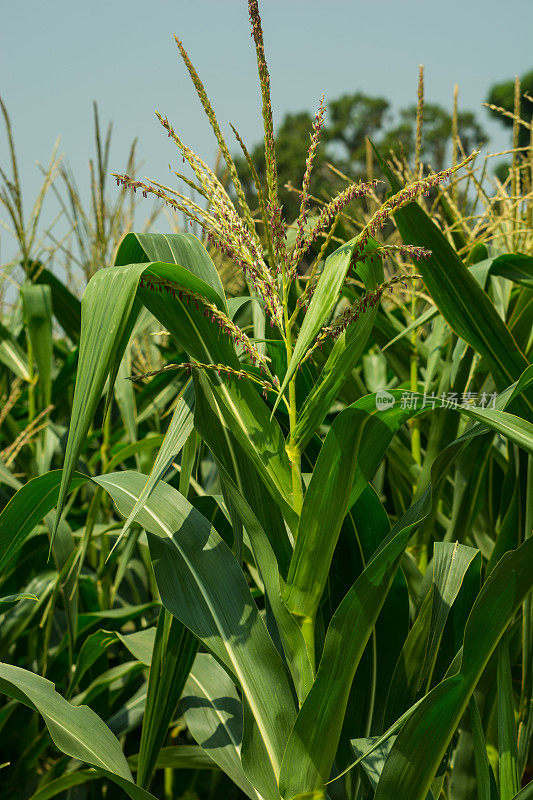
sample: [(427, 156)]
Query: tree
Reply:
[(502, 95), (351, 120)]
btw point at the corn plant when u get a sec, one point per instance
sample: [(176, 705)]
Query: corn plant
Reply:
[(329, 628)]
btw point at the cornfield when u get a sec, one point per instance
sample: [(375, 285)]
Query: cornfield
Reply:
[(267, 488)]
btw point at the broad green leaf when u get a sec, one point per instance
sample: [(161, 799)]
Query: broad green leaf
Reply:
[(290, 633), (107, 320), (120, 351), (56, 786), (171, 248), (344, 356), (12, 355), (357, 441), (181, 425), (27, 508), (451, 562), (517, 267), (313, 742), (188, 558), (322, 303), (213, 714), (66, 306), (92, 648), (420, 747), (140, 644), (77, 731), (37, 305), (105, 315), (312, 746), (507, 733), (255, 758), (11, 599), (107, 311), (245, 413), (485, 780), (234, 461), (181, 756), (174, 651), (324, 508)]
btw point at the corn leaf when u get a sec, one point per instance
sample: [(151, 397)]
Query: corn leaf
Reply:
[(179, 429), (65, 305), (172, 249), (182, 756), (213, 713), (188, 557), (356, 442), (37, 305), (56, 786), (107, 319), (77, 731), (486, 784), (291, 636), (451, 564), (507, 733), (421, 745), (344, 356), (348, 347), (27, 508), (324, 298), (517, 267), (173, 655), (313, 743), (12, 354)]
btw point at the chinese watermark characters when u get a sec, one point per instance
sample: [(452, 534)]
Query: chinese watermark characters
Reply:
[(413, 401)]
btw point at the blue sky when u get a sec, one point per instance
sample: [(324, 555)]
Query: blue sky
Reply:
[(59, 55)]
